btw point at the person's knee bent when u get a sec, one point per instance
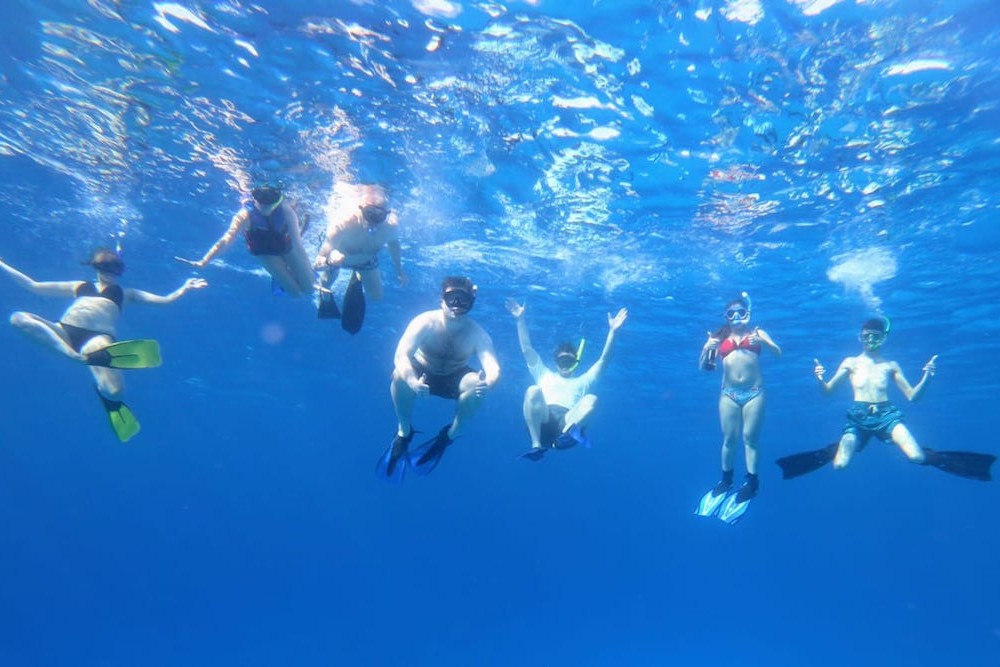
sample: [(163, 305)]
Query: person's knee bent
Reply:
[(468, 383), (20, 319), (533, 394), (110, 383)]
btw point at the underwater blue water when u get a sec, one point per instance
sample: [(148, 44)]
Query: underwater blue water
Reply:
[(834, 159)]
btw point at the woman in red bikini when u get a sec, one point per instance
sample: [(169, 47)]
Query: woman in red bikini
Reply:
[(741, 405)]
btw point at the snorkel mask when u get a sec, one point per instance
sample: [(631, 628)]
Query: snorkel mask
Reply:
[(268, 197), (874, 332), (374, 215), (567, 361), (107, 261), (458, 294), (738, 312)]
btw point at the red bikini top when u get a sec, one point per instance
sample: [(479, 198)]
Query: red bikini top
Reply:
[(727, 346)]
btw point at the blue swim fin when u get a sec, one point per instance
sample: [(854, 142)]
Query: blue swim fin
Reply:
[(573, 436), (391, 466), (736, 504), (426, 456), (534, 454), (733, 510), (711, 502)]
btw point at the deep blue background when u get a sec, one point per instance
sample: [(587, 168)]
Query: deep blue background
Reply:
[(244, 524)]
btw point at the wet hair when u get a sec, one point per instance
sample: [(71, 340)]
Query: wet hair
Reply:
[(106, 260), (876, 324), (373, 191), (463, 283), (739, 301)]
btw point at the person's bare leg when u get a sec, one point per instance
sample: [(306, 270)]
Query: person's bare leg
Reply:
[(468, 403), (278, 268), (730, 418), (906, 442), (753, 422), (110, 381), (402, 402), (535, 412), (580, 413), (48, 334), (371, 279), (298, 265), (848, 443)]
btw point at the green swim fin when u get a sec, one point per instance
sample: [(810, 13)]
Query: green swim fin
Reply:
[(971, 465), (122, 420), (141, 353), (354, 305), (805, 462)]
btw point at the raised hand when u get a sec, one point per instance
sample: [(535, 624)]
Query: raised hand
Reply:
[(614, 322), (516, 309), (929, 367), (818, 370)]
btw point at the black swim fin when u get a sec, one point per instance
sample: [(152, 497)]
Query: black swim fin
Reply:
[(795, 465), (425, 457), (354, 305), (391, 466), (971, 465), (327, 308)]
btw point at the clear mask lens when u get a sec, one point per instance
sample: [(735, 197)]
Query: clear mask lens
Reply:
[(566, 362)]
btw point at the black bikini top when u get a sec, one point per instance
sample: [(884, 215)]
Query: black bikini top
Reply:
[(113, 293)]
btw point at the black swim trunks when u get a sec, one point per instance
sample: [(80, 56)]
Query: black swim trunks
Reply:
[(78, 336), (445, 386), (370, 265), (867, 419), (553, 425)]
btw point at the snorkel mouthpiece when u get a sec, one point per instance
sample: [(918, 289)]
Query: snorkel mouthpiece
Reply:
[(874, 332)]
